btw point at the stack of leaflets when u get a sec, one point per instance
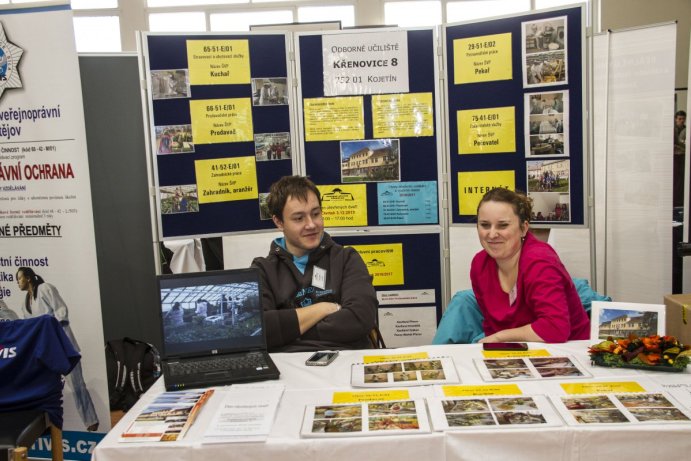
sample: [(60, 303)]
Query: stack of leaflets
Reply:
[(434, 370), (168, 417), (371, 418)]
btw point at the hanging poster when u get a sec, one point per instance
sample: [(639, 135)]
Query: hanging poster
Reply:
[(472, 185), (344, 205), (46, 218), (545, 52), (402, 115), (405, 203), (365, 63), (482, 59), (384, 262)]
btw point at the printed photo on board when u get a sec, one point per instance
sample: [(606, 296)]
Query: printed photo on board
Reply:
[(174, 139), (545, 52), (547, 124), (272, 146), (179, 199), (370, 160), (269, 91), (170, 84)]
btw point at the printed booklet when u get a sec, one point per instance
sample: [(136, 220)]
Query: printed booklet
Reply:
[(460, 413), (528, 368), (433, 370), (371, 418), (168, 417), (627, 408)]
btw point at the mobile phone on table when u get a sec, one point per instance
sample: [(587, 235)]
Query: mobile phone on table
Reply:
[(505, 346), (321, 358)]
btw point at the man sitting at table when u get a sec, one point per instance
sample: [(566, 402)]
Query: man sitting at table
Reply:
[(316, 294)]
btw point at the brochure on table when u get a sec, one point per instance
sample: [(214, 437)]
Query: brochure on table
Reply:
[(529, 368), (363, 419), (168, 417), (420, 372), (502, 412)]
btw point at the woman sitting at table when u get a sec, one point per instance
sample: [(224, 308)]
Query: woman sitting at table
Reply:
[(521, 285)]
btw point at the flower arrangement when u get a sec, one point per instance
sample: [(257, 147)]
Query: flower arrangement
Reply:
[(663, 353)]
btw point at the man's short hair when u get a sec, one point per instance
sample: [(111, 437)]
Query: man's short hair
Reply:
[(289, 186), (680, 113)]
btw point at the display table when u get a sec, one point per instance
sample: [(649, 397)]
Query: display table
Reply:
[(315, 385)]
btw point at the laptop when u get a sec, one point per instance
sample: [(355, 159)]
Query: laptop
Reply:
[(213, 329)]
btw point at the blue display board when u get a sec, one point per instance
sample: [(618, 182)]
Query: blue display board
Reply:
[(174, 90), (515, 113)]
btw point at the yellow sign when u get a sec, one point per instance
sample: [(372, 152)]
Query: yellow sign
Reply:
[(370, 396), (344, 205), (487, 131), (514, 354), (482, 59), (486, 389), (384, 262), (402, 115), (334, 119), (221, 120), (472, 185), (394, 358), (218, 62), (602, 388), (226, 179)]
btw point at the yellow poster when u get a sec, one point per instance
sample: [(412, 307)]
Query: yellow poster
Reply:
[(344, 205), (221, 120), (218, 62), (334, 119), (514, 354), (370, 396), (482, 59), (483, 389), (226, 179), (472, 185), (402, 115), (395, 357), (487, 131), (602, 387), (384, 262)]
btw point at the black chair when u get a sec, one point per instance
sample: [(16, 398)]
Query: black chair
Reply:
[(36, 355)]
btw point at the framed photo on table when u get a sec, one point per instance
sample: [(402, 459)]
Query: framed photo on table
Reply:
[(619, 320)]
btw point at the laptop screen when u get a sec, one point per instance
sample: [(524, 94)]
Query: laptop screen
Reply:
[(206, 313)]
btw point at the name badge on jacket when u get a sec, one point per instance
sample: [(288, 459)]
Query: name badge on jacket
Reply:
[(319, 277)]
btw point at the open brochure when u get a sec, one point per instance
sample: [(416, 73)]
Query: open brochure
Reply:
[(433, 370), (527, 368), (624, 408), (168, 417), (246, 414), (497, 411), (361, 419)]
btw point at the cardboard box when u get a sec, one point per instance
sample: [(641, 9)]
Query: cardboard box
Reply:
[(678, 314)]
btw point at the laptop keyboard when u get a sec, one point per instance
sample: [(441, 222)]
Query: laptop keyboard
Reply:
[(251, 360)]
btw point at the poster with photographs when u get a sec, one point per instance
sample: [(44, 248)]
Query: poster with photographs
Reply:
[(437, 370), (549, 185), (174, 139), (502, 412), (372, 418), (179, 199), (619, 320), (545, 52), (370, 160), (269, 91), (547, 124), (264, 213), (629, 408), (529, 368), (170, 84), (272, 146)]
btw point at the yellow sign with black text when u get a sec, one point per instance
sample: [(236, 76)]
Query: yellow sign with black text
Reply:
[(334, 119), (402, 115), (344, 205), (487, 131), (472, 185), (217, 121), (384, 262), (218, 62), (482, 59), (226, 179)]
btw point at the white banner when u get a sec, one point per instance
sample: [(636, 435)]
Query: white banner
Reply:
[(365, 63), (48, 254)]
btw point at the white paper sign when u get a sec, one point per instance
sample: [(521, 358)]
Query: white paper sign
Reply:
[(408, 326), (388, 298), (365, 63)]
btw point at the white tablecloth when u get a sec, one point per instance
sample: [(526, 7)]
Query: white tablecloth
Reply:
[(314, 385)]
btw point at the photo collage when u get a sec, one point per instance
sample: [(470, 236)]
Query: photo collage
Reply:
[(501, 412), (404, 373), (546, 115), (620, 409), (517, 369), (375, 418)]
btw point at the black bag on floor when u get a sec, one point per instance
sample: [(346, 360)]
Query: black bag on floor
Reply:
[(133, 366)]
